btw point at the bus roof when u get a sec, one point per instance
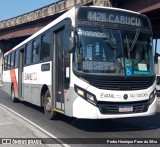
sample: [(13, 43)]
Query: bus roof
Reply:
[(114, 8)]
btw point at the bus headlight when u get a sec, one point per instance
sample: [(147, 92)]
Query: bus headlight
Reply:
[(85, 94), (152, 97)]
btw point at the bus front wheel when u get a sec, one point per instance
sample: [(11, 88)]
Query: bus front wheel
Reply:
[(49, 112)]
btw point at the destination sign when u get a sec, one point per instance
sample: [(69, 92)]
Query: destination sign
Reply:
[(112, 16)]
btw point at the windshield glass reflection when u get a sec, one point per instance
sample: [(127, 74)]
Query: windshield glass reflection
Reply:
[(138, 53), (115, 52)]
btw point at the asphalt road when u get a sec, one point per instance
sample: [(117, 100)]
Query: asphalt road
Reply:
[(66, 127)]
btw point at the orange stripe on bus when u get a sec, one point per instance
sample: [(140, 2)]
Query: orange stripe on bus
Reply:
[(13, 79)]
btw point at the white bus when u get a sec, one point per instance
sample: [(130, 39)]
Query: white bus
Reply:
[(157, 71), (91, 62)]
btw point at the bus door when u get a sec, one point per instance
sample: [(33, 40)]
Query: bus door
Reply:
[(59, 68), (60, 65), (20, 74)]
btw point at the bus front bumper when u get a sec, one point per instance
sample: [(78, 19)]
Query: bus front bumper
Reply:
[(86, 110)]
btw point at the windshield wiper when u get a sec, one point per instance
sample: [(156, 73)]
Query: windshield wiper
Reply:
[(110, 43), (135, 39), (117, 62), (133, 43)]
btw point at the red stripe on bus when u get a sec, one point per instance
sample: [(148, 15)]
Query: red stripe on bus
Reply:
[(13, 79)]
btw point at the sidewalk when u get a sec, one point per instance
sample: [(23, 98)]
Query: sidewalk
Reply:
[(12, 126)]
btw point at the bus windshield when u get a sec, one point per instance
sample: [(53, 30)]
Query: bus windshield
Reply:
[(112, 51)]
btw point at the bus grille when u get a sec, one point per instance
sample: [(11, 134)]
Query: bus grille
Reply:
[(122, 83), (113, 107)]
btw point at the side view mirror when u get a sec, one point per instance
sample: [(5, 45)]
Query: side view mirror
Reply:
[(71, 44), (156, 58)]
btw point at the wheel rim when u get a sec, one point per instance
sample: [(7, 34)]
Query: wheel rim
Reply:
[(48, 104)]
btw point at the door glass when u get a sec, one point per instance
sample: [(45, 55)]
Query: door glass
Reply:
[(60, 65)]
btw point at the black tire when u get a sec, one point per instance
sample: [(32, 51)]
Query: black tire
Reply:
[(49, 113), (14, 99)]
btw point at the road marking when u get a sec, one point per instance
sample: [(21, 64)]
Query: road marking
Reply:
[(38, 127)]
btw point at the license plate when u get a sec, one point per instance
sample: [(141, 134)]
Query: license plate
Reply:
[(125, 108)]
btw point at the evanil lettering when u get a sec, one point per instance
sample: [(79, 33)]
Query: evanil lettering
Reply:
[(30, 76), (112, 18), (103, 95)]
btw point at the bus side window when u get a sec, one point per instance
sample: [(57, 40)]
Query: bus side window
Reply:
[(45, 47), (9, 61), (35, 50), (28, 54), (12, 59), (16, 59), (5, 62)]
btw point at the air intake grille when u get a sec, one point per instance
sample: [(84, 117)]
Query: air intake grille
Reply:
[(122, 83)]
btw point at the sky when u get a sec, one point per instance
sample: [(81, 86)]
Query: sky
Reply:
[(12, 8)]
